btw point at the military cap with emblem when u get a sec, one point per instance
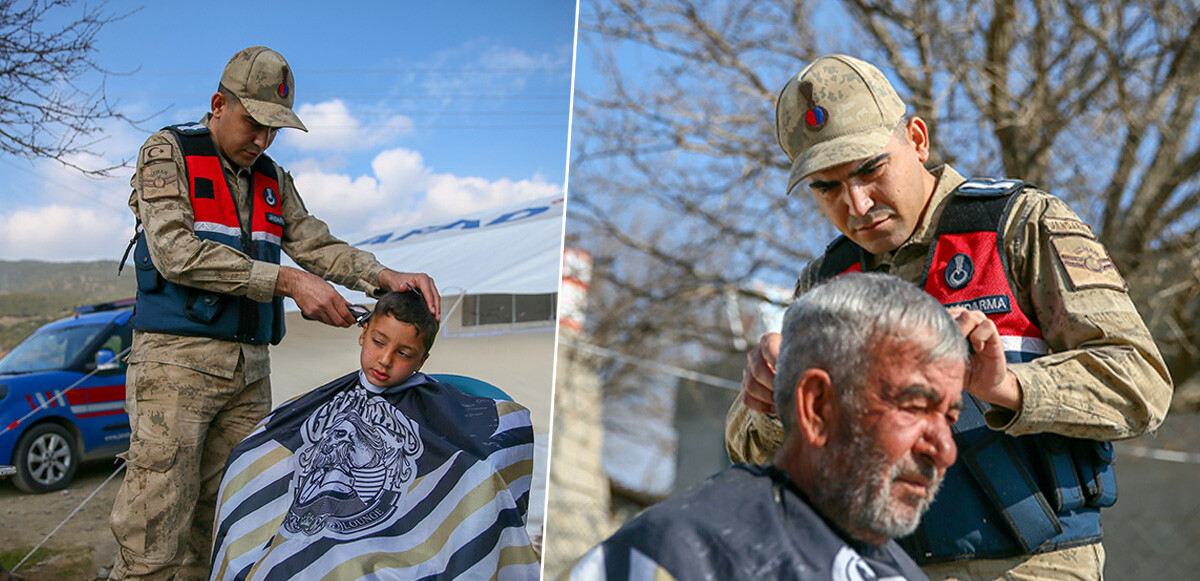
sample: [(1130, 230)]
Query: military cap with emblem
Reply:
[(263, 81), (837, 110)]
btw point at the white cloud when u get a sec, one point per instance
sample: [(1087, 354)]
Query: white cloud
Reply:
[(451, 195), (72, 216), (403, 190), (331, 126), (403, 170), (64, 232), (340, 200)]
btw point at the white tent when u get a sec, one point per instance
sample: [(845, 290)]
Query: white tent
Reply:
[(515, 249)]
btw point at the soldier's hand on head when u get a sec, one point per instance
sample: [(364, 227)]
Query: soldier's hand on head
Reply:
[(988, 377), (758, 377), (402, 281), (316, 298)]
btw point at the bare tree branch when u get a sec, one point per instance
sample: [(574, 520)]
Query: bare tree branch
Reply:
[(43, 112), (676, 183)]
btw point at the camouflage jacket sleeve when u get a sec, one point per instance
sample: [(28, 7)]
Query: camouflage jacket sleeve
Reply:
[(307, 240), (1104, 378), (160, 200), (754, 437)]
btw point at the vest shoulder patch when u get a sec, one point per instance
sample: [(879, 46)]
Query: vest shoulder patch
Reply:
[(1087, 263), (189, 128), (1058, 226), (988, 187)]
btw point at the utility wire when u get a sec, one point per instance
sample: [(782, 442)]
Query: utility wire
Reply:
[(69, 516), (654, 365)]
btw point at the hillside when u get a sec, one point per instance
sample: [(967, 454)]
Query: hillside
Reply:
[(34, 293)]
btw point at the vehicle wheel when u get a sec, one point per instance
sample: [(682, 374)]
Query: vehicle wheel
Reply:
[(45, 459)]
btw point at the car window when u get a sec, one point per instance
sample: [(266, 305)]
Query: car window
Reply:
[(117, 343), (49, 349)]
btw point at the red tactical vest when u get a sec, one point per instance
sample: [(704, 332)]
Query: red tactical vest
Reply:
[(166, 307)]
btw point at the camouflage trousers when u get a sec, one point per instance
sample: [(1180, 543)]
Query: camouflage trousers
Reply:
[(185, 424), (1084, 563)]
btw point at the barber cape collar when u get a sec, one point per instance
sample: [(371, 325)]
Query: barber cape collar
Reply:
[(416, 379), (419, 481)]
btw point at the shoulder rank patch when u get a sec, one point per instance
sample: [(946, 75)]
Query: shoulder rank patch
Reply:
[(1063, 226), (159, 180), (1087, 263), (157, 153)]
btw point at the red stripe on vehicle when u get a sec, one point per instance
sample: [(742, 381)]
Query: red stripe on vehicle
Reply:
[(99, 414), (106, 393)]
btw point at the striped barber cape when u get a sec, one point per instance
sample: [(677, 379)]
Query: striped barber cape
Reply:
[(349, 481)]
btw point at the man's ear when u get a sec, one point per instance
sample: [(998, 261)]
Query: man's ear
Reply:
[(815, 406), (918, 136), (218, 104)]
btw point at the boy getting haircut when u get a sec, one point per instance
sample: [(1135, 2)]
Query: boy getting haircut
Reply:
[(365, 476)]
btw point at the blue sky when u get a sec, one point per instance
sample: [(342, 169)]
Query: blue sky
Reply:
[(416, 111)]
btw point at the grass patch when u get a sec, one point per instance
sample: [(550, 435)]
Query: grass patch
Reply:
[(48, 563), (10, 557)]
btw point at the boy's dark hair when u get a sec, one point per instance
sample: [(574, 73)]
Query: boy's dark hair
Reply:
[(409, 307)]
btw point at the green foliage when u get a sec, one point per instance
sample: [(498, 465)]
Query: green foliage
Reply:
[(45, 563), (13, 332), (30, 304), (9, 557), (35, 293), (88, 279)]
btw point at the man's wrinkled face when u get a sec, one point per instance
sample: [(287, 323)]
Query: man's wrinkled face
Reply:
[(889, 457), (878, 201), (237, 134)]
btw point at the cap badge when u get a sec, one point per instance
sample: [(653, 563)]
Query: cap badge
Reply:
[(283, 89), (816, 115)]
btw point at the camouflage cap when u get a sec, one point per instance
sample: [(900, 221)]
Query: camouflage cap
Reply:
[(263, 81), (837, 110)]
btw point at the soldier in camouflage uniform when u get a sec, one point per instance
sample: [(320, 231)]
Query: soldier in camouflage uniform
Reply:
[(211, 236), (1082, 369)]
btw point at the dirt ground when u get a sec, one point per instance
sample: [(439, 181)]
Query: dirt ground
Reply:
[(81, 548)]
